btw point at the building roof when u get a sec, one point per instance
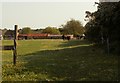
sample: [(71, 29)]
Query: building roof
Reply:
[(33, 35)]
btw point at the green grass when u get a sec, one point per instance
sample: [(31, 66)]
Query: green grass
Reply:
[(58, 60)]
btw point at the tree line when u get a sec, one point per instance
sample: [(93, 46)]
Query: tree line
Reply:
[(72, 26), (103, 26)]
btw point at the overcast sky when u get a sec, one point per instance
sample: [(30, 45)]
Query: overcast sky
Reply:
[(43, 14)]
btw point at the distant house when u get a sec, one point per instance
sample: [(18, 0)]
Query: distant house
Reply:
[(9, 34), (41, 36), (51, 36), (32, 36)]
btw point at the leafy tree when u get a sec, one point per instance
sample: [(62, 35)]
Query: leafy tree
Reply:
[(51, 30), (61, 30), (93, 32), (26, 30), (37, 31), (104, 25), (73, 27)]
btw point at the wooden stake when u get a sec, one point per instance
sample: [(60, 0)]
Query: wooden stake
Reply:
[(15, 45)]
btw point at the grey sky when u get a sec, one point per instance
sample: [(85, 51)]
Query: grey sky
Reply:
[(43, 14)]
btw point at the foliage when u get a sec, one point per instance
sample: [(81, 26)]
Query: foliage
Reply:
[(26, 30), (37, 31), (104, 24), (51, 30), (92, 32), (73, 27), (61, 30)]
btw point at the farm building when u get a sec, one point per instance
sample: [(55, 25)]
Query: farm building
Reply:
[(41, 36), (50, 36), (32, 36)]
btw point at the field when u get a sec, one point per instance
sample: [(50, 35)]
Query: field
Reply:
[(58, 60)]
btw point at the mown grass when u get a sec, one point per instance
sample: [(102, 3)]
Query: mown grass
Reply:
[(58, 60)]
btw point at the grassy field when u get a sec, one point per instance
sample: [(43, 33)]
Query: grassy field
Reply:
[(58, 60)]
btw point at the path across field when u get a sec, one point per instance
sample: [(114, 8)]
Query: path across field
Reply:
[(47, 60)]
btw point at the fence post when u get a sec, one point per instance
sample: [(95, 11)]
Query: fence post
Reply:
[(15, 44)]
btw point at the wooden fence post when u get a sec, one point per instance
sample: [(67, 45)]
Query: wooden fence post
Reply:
[(15, 44)]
